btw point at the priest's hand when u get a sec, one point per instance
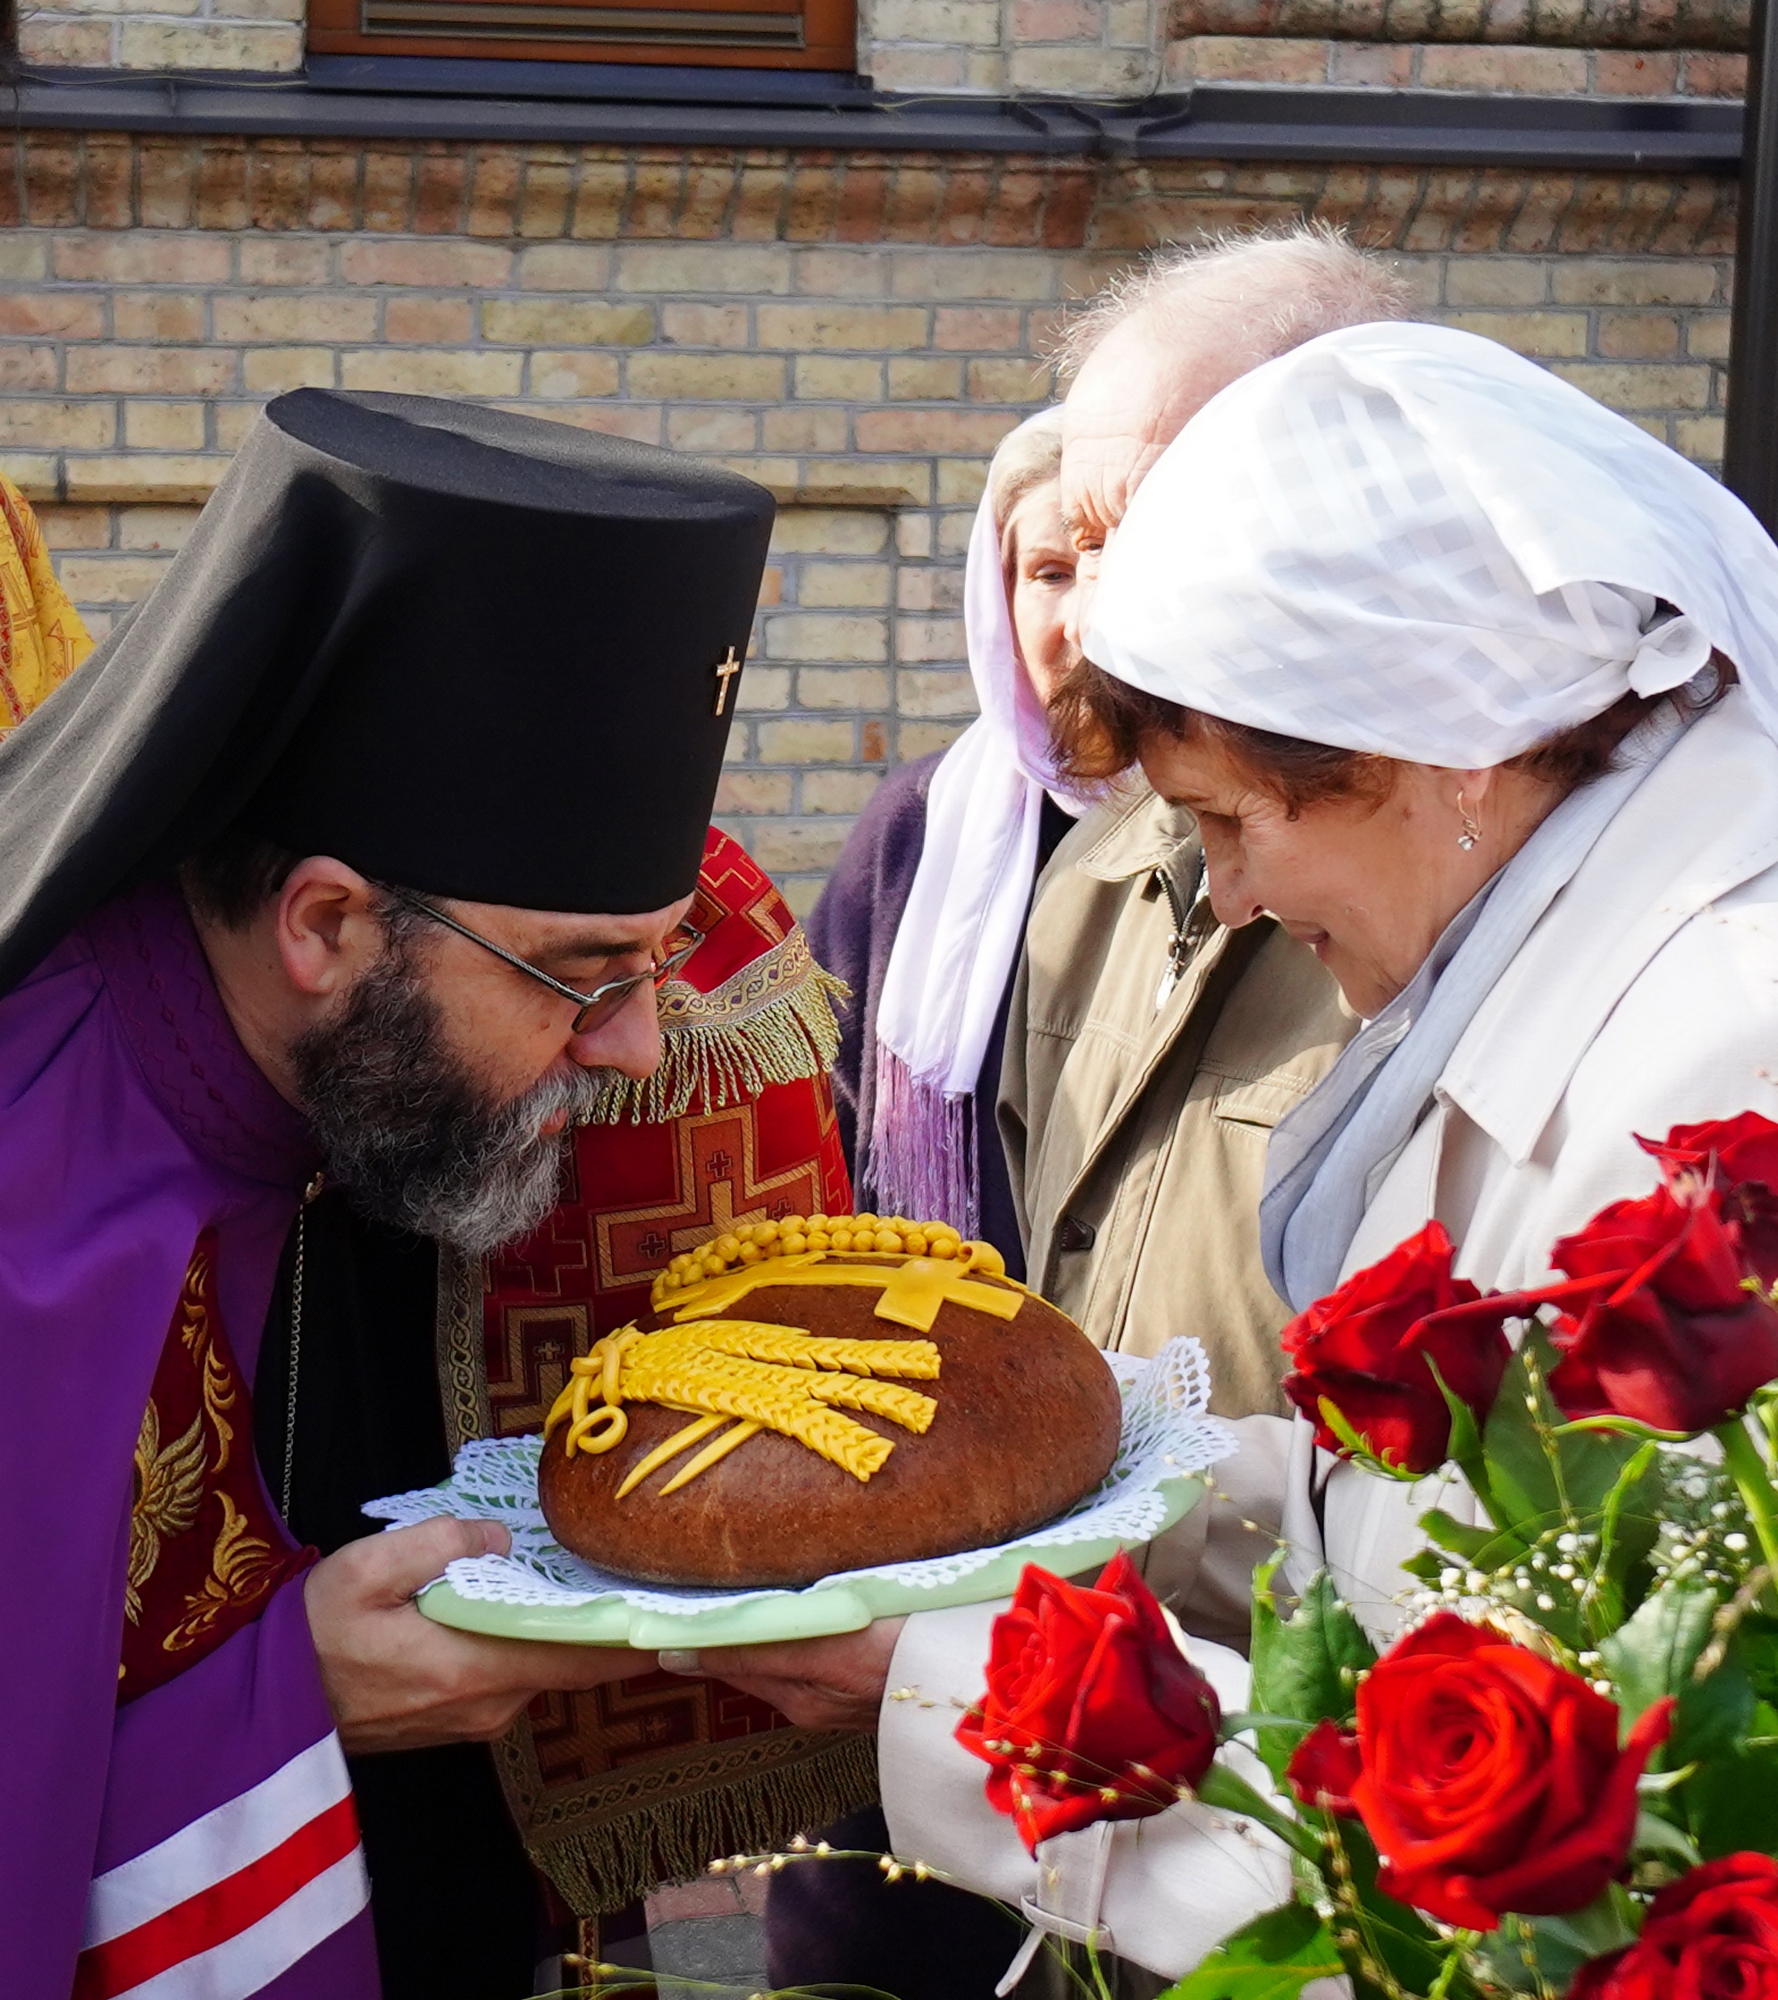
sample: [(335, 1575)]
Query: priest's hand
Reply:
[(397, 1681), (835, 1683)]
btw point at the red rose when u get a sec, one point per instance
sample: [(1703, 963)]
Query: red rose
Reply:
[(1712, 1935), (1744, 1150), (1620, 1239), (1492, 1778), (1365, 1350), (1324, 1767), (1092, 1712), (1670, 1336)]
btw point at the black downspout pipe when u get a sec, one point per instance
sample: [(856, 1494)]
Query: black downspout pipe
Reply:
[(1750, 452)]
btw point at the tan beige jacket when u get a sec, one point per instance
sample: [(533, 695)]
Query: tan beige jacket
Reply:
[(1149, 1052), (1135, 1131)]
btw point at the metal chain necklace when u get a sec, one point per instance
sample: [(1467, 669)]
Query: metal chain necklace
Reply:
[(296, 1335)]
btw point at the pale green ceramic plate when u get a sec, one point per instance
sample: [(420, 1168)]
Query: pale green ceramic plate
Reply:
[(837, 1604)]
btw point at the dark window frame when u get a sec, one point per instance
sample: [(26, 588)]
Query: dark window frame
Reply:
[(730, 34)]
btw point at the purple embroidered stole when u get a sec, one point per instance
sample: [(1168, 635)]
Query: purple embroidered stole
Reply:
[(178, 1817)]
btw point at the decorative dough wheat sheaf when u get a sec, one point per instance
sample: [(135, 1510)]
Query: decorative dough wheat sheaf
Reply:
[(768, 1377)]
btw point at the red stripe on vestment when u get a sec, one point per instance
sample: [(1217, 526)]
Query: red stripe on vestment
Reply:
[(218, 1913)]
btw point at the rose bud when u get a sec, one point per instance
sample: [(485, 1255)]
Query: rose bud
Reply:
[(1741, 1155), (1492, 1777), (1671, 1337), (1091, 1712), (1365, 1350), (1324, 1767), (1712, 1935)]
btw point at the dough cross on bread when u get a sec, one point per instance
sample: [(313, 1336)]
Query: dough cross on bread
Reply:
[(911, 1289), (754, 1376)]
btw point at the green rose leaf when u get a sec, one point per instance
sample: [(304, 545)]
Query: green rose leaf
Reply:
[(1714, 1714), (1272, 1958), (1732, 1802), (1481, 1547), (1653, 1654), (1538, 1480), (1758, 1638), (1306, 1665)]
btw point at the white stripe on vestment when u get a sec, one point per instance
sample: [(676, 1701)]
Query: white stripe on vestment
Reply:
[(220, 1844), (253, 1958)]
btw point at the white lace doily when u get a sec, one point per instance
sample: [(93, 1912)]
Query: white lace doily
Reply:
[(1167, 1439)]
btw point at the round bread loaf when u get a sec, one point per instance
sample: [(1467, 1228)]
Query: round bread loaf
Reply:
[(1021, 1418)]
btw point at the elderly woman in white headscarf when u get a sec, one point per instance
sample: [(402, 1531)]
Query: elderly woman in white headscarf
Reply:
[(1474, 686), (925, 914), (1443, 656)]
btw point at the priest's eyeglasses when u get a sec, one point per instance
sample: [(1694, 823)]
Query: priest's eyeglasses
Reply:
[(603, 1002)]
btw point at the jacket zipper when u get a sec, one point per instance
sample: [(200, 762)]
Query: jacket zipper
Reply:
[(1176, 951)]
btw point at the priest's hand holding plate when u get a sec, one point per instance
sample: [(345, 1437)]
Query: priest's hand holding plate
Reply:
[(396, 1680), (834, 1683)]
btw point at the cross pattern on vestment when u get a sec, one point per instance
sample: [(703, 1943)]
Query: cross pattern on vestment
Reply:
[(711, 1183), (726, 670)]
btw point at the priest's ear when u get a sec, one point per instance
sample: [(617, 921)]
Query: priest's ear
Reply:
[(328, 926)]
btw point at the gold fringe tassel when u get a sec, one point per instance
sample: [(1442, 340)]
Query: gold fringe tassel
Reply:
[(791, 1037), (601, 1868)]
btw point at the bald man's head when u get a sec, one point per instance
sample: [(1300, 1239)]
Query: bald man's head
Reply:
[(1152, 350), (1133, 396)]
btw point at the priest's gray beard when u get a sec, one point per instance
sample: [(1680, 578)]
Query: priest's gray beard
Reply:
[(410, 1135)]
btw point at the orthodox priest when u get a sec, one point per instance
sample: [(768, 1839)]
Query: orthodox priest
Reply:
[(286, 897), (403, 1350)]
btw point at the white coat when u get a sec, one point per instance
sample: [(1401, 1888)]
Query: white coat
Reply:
[(1646, 997)]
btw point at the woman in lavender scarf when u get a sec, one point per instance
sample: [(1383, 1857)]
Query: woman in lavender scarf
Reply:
[(923, 919), (925, 914)]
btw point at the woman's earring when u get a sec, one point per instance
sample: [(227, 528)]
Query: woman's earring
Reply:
[(1472, 831)]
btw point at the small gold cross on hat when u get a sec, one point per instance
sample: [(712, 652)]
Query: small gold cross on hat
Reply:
[(726, 670)]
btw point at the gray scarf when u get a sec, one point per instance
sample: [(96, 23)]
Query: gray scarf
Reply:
[(1328, 1157)]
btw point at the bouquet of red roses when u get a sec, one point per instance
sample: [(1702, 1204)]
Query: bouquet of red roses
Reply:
[(1563, 1779)]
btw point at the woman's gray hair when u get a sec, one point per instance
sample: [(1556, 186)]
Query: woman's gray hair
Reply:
[(1273, 290), (1024, 460)]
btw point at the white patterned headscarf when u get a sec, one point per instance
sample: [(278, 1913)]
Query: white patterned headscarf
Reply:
[(1407, 540)]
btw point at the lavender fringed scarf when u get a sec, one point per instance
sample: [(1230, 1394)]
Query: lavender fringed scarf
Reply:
[(923, 1140)]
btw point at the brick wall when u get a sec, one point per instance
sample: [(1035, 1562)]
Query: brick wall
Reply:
[(1578, 24), (163, 34), (857, 333), (1498, 70), (1070, 48), (1615, 48)]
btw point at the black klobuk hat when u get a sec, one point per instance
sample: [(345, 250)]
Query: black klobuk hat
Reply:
[(474, 654)]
